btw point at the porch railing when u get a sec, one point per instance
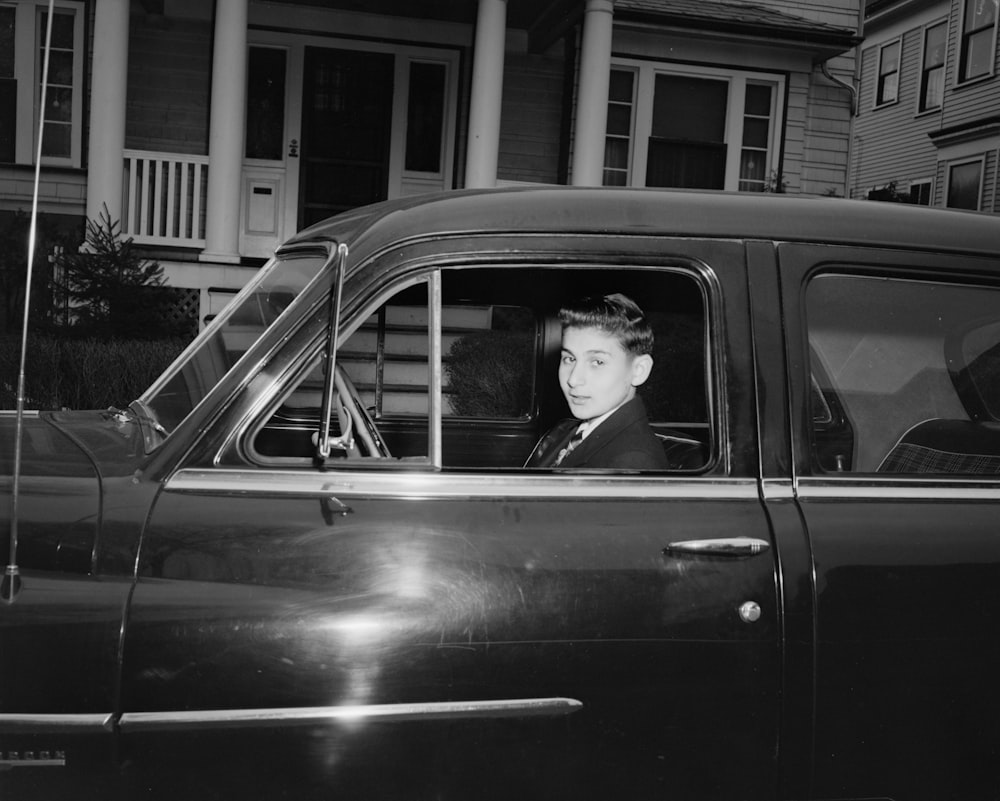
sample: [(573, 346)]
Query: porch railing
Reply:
[(164, 198)]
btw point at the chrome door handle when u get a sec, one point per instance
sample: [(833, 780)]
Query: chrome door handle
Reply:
[(724, 546)]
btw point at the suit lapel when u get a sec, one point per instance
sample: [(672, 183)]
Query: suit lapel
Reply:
[(603, 434)]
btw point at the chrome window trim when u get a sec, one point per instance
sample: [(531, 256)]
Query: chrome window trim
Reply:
[(927, 489), (27, 723), (301, 716), (425, 484)]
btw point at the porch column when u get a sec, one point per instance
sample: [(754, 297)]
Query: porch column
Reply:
[(106, 149), (225, 139), (592, 96), (487, 93)]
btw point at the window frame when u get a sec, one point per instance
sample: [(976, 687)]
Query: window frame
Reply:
[(29, 39), (880, 100), (644, 93), (925, 70), (964, 38), (950, 167)]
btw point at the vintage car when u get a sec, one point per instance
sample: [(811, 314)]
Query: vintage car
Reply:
[(308, 562)]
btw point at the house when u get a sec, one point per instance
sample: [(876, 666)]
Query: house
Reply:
[(928, 123), (212, 131)]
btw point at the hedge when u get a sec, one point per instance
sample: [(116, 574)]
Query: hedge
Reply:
[(82, 373)]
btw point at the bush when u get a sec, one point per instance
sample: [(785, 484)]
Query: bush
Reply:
[(83, 373), (490, 374)]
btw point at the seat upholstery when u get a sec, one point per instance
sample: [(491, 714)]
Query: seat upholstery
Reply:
[(946, 446)]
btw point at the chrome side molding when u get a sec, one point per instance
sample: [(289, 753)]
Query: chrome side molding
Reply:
[(299, 716)]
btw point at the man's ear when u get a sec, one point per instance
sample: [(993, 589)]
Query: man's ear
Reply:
[(641, 368)]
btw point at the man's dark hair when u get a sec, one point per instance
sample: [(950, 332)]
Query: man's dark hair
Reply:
[(615, 315)]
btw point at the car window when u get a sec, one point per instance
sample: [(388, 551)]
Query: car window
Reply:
[(901, 372), (500, 350)]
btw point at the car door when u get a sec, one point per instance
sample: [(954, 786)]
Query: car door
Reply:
[(893, 365), (399, 627)]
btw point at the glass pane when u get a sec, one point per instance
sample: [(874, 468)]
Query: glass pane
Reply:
[(755, 132), (752, 165), (61, 68), (979, 54), (888, 87), (690, 109), (979, 13), (890, 59), (933, 89), (59, 105), (62, 30), (758, 100), (963, 186), (6, 42), (686, 165), (8, 119), (881, 350), (425, 117), (619, 120), (57, 140), (620, 89), (615, 178), (265, 132), (616, 153), (935, 45)]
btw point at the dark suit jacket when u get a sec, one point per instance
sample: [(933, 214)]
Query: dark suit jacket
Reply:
[(624, 441)]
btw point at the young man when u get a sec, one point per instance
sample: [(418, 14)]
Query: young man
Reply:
[(606, 346)]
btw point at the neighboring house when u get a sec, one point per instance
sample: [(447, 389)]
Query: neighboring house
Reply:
[(928, 124), (215, 130)]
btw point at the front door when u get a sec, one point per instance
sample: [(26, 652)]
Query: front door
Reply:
[(346, 130)]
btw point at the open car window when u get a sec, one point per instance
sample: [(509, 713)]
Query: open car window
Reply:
[(500, 348)]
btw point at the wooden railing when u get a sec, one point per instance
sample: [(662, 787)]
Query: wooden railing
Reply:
[(164, 198)]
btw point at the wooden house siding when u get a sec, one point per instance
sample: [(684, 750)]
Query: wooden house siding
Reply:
[(531, 118), (894, 143), (169, 86)]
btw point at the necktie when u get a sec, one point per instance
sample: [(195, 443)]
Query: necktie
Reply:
[(575, 440)]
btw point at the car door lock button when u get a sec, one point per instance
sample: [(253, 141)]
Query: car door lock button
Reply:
[(750, 612)]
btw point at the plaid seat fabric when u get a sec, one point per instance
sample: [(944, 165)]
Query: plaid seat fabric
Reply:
[(909, 458), (953, 447)]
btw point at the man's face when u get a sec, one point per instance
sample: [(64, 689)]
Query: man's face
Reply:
[(596, 373)]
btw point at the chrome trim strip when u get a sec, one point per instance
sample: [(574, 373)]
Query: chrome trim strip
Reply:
[(95, 723), (300, 716), (775, 489), (897, 489), (426, 484)]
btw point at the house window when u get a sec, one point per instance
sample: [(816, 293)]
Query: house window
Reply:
[(964, 183), (920, 192), (618, 142), (756, 138), (22, 60), (685, 127), (979, 23), (425, 116), (888, 74), (932, 74)]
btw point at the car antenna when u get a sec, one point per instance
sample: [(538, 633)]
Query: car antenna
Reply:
[(10, 585)]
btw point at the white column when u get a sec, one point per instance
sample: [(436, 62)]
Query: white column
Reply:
[(483, 151), (106, 148), (226, 139), (592, 94)]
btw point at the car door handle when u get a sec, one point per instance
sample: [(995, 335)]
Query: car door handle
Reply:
[(723, 546)]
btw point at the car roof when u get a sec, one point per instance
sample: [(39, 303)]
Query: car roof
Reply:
[(610, 211)]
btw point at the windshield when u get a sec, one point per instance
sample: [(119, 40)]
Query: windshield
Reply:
[(231, 334)]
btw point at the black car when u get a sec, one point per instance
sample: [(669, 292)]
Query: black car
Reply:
[(308, 562)]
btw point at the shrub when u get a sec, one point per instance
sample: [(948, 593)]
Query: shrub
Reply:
[(490, 374), (83, 373)]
